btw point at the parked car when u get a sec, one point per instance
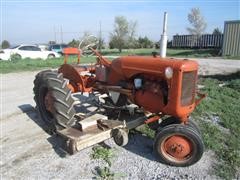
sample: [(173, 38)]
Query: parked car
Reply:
[(58, 48), (27, 51), (43, 46)]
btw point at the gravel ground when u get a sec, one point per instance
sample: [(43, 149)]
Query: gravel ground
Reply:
[(27, 152)]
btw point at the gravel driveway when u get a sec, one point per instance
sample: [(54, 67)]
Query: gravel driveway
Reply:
[(28, 152)]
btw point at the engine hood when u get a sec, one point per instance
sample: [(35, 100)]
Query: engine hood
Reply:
[(128, 66)]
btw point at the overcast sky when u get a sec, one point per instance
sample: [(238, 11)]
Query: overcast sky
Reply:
[(29, 21)]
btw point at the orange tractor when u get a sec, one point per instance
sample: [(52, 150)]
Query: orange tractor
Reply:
[(126, 92)]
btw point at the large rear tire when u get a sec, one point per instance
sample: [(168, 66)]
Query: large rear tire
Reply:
[(178, 145), (54, 101)]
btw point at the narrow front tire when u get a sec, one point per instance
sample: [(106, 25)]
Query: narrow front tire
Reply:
[(178, 145)]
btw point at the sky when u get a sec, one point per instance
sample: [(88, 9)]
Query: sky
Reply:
[(39, 21)]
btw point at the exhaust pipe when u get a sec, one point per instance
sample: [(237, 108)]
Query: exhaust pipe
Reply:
[(163, 42)]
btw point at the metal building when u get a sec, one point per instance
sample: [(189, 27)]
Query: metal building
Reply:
[(231, 39), (204, 41)]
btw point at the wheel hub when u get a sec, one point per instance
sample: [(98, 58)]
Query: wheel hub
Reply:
[(178, 147)]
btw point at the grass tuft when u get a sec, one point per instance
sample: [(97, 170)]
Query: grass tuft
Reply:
[(18, 65), (102, 153), (145, 129), (105, 154), (221, 136), (105, 173)]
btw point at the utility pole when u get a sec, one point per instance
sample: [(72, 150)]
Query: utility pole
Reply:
[(61, 34), (100, 36), (163, 42), (54, 31)]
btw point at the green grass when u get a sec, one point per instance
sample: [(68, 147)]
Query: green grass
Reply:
[(147, 131), (222, 103), (37, 64), (102, 153), (105, 154), (232, 57), (105, 173), (193, 53), (170, 52), (219, 118)]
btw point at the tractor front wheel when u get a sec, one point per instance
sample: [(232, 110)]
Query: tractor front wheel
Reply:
[(172, 120), (178, 145)]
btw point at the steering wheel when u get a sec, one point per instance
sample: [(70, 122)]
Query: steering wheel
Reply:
[(86, 44)]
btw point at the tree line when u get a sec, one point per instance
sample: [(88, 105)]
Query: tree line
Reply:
[(124, 33)]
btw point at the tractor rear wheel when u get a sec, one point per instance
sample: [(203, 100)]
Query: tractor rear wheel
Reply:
[(54, 101), (178, 145)]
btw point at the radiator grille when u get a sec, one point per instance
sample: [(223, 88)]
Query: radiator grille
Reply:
[(188, 88)]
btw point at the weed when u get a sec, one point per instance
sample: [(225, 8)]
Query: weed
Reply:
[(104, 173), (105, 154), (147, 131), (15, 58), (222, 102), (234, 84), (102, 153)]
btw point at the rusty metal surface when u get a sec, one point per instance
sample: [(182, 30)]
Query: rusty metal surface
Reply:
[(159, 94), (188, 88), (78, 140)]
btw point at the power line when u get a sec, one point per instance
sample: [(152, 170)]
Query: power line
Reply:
[(54, 31), (61, 34), (116, 1)]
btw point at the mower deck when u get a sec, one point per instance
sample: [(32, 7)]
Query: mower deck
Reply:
[(95, 131)]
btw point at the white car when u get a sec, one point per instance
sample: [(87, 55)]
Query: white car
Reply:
[(27, 51)]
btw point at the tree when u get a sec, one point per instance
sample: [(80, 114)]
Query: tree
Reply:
[(5, 44), (123, 34), (51, 42), (74, 43), (101, 43), (198, 24), (145, 42), (119, 35), (217, 31), (132, 41)]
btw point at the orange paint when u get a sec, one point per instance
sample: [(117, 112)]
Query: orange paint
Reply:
[(177, 146), (152, 69), (152, 119), (71, 51)]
